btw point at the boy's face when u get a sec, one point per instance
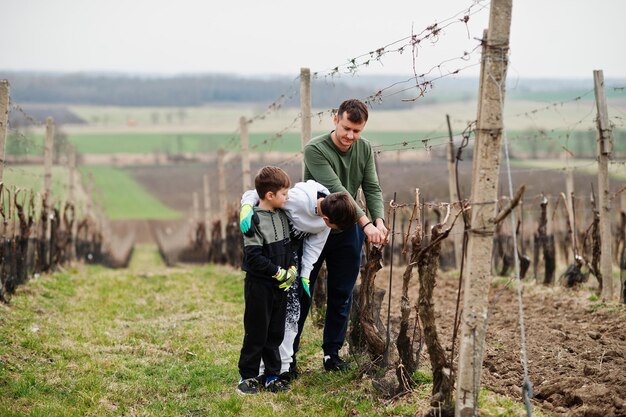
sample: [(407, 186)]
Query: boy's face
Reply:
[(279, 198)]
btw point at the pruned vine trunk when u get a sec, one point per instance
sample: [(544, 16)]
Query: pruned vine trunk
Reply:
[(409, 358), (374, 343), (428, 264)]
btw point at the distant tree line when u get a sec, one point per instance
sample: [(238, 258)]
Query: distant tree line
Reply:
[(195, 90), (181, 91)]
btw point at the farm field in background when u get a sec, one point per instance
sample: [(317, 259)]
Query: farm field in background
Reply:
[(527, 143), (123, 198)]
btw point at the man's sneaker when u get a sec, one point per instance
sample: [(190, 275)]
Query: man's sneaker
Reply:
[(275, 384), (335, 363), (248, 386)]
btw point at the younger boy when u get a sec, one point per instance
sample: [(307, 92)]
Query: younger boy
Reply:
[(270, 271), (313, 212)]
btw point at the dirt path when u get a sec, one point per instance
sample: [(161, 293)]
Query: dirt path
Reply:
[(576, 348)]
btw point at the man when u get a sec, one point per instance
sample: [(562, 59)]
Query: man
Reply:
[(342, 161)]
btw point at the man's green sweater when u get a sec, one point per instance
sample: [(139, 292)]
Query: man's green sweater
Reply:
[(345, 171)]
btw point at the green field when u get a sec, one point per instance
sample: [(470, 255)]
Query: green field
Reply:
[(123, 198), (528, 141)]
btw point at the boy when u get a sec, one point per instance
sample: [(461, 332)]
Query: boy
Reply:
[(270, 271), (313, 211)]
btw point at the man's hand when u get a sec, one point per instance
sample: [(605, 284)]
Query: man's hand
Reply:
[(289, 278), (380, 225), (375, 234), (245, 218), (306, 285)]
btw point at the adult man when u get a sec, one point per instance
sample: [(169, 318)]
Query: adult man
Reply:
[(341, 161)]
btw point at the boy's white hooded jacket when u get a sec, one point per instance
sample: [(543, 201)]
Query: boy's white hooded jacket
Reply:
[(301, 208)]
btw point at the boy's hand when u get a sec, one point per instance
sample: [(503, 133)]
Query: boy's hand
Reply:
[(289, 279), (245, 218), (306, 285)]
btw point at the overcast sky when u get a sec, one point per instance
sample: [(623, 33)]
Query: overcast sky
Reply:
[(549, 38)]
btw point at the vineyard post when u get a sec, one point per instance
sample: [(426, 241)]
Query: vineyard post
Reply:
[(4, 121), (47, 185), (457, 231), (47, 160), (483, 196), (207, 205), (305, 108), (72, 197), (569, 185), (222, 198), (196, 210), (71, 162), (89, 193), (605, 144), (245, 153)]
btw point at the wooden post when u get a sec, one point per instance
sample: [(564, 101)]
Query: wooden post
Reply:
[(72, 198), (47, 160), (207, 205), (89, 193), (305, 108), (245, 154), (196, 208), (222, 197), (72, 173), (4, 121), (605, 147), (457, 230), (484, 197)]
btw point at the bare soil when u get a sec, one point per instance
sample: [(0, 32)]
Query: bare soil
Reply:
[(576, 348)]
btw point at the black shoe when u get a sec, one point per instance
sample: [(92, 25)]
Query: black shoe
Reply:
[(277, 385), (248, 386), (288, 376), (335, 363)]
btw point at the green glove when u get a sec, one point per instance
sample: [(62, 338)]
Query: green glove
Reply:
[(280, 274), (245, 217), (305, 285), (291, 275)]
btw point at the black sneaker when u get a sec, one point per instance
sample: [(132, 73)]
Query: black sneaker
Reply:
[(277, 385), (248, 386), (287, 377), (335, 363)]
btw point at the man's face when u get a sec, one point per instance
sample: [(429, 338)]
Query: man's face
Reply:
[(346, 132)]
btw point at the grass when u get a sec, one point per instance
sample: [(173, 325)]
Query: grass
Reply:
[(157, 341), (123, 198)]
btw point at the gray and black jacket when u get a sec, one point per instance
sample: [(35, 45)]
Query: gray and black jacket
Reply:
[(269, 247)]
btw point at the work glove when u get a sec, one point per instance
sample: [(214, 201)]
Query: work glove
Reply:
[(286, 277), (245, 218), (305, 285)]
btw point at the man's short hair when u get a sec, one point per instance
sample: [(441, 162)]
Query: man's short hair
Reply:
[(270, 178), (340, 210), (357, 110)]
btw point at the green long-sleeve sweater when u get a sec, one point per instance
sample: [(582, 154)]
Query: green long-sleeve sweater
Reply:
[(345, 171)]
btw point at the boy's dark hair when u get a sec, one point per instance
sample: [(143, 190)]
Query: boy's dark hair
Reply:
[(357, 110), (340, 210), (270, 178)]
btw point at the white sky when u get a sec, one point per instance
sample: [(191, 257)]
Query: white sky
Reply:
[(549, 38)]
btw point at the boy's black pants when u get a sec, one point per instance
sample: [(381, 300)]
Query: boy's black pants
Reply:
[(264, 326)]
